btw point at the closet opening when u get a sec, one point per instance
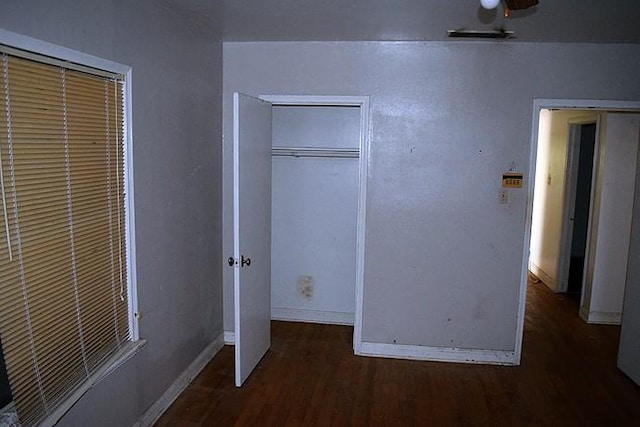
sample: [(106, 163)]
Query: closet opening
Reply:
[(314, 212), (299, 188), (320, 160)]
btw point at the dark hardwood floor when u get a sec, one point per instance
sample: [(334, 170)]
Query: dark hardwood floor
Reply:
[(310, 377)]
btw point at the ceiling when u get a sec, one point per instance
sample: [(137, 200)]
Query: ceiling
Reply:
[(583, 21)]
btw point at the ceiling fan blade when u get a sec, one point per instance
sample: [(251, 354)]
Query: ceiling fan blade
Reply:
[(520, 4)]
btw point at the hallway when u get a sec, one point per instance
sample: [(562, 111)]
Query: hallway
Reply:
[(568, 376)]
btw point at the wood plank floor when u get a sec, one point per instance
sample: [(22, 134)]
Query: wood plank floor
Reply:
[(310, 377)]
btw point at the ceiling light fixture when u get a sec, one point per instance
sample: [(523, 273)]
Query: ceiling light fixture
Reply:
[(499, 33)]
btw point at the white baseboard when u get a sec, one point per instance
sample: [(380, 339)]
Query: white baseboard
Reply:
[(312, 316), (229, 338), (438, 354), (543, 276), (162, 404), (584, 314), (417, 352), (601, 317)]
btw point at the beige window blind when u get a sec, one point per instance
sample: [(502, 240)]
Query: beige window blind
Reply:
[(64, 306)]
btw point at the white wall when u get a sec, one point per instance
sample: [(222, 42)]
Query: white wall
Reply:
[(551, 167), (611, 221), (316, 126), (443, 258), (176, 124), (314, 212)]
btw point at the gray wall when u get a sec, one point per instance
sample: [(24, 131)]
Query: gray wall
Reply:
[(177, 85), (443, 258)]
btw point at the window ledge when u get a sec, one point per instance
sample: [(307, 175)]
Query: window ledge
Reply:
[(117, 360)]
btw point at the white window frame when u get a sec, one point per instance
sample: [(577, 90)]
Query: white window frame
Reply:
[(25, 43)]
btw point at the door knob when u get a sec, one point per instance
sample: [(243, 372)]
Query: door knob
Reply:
[(245, 262)]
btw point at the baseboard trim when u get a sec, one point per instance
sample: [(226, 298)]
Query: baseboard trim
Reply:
[(439, 354), (229, 338), (169, 396), (312, 316), (601, 317), (549, 281)]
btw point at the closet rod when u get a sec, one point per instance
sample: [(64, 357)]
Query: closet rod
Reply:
[(336, 153)]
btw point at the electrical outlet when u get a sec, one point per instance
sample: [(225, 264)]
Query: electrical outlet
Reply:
[(503, 197)]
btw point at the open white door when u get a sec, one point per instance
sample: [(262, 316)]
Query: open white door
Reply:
[(629, 350), (251, 231)]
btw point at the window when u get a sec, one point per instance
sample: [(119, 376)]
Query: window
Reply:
[(65, 309)]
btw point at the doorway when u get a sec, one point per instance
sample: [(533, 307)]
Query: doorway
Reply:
[(612, 192), (361, 103), (314, 204), (582, 207), (584, 145), (562, 194), (252, 194)]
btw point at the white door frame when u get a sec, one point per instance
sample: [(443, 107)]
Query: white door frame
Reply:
[(363, 103), (569, 198), (538, 105)]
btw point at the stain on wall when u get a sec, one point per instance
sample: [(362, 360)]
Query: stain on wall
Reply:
[(305, 286)]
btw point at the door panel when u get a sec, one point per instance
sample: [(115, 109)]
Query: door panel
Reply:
[(252, 232), (607, 252), (629, 351)]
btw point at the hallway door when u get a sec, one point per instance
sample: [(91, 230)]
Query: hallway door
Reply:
[(629, 350)]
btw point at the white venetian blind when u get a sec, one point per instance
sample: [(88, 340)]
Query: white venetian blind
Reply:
[(64, 307)]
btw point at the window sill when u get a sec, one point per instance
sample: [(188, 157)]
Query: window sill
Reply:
[(117, 360)]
